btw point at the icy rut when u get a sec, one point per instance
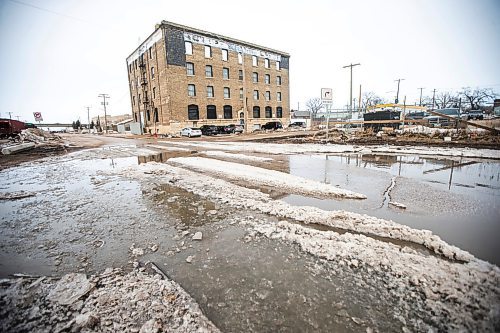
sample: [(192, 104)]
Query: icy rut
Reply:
[(260, 176)]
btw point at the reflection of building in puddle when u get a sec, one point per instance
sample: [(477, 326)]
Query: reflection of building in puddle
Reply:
[(380, 160)]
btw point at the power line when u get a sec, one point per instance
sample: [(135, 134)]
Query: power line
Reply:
[(48, 10)]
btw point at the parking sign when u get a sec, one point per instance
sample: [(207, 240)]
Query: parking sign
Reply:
[(38, 116)]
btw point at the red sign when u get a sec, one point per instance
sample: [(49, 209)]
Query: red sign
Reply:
[(38, 116)]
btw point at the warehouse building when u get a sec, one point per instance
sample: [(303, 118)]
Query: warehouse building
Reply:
[(182, 76)]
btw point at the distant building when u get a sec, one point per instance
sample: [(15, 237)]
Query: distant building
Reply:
[(111, 120), (496, 107), (182, 76)]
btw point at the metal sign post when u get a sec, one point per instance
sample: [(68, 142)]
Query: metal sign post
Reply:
[(326, 100)]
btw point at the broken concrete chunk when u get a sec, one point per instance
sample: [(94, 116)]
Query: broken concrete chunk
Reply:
[(86, 320), (189, 259), (198, 236), (70, 288), (397, 205)]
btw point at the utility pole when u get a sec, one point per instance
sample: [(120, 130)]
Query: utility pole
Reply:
[(350, 98), (359, 100), (420, 96), (88, 117), (104, 96), (397, 93), (433, 98)]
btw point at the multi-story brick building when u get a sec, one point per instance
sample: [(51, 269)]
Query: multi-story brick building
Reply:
[(182, 76)]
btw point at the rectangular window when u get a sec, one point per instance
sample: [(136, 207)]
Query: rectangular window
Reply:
[(266, 63), (240, 58), (189, 68), (189, 47), (227, 93), (133, 100), (256, 95), (267, 78), (269, 112), (255, 77), (210, 91), (241, 93), (152, 73), (191, 90), (224, 55), (208, 51), (278, 65), (240, 75), (254, 61), (208, 71), (268, 95), (278, 80), (154, 92), (279, 112), (225, 73), (278, 96), (211, 112), (150, 54)]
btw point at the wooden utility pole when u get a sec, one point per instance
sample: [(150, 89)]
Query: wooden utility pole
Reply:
[(397, 93), (350, 96), (420, 103), (104, 96)]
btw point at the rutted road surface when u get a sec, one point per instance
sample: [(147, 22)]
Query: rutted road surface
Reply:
[(250, 260)]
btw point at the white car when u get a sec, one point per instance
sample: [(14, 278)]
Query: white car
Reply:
[(190, 132)]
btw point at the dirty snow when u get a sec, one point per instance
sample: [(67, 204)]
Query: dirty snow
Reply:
[(260, 176), (112, 301), (218, 153), (170, 148), (269, 148)]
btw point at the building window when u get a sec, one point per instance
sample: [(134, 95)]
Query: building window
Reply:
[(208, 71), (156, 115), (278, 66), (224, 55), (240, 58), (254, 61), (189, 47), (135, 63), (210, 91), (279, 112), (267, 78), (227, 93), (208, 51), (278, 96), (256, 95), (152, 73), (154, 92), (193, 113), (268, 95), (130, 68), (191, 90), (228, 112), (266, 63), (225, 73), (211, 112), (148, 115), (133, 100), (189, 68), (241, 93), (256, 112), (240, 75), (269, 112), (150, 54), (278, 80), (255, 77)]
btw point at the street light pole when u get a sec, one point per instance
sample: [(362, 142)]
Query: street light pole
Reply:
[(397, 93), (350, 98)]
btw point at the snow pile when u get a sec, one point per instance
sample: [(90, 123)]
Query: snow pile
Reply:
[(236, 196), (170, 148), (37, 135), (461, 296), (218, 153), (260, 176), (109, 302), (281, 149)]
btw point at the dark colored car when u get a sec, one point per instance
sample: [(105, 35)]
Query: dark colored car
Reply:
[(209, 130), (297, 124), (233, 129), (272, 125)]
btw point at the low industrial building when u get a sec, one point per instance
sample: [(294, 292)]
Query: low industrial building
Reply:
[(181, 76)]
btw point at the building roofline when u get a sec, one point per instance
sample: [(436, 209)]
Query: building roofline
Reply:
[(145, 40), (229, 39)]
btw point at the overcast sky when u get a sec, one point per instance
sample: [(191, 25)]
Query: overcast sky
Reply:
[(56, 56)]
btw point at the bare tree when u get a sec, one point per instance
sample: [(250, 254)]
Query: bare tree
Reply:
[(370, 99), (445, 100), (474, 98), (314, 105)]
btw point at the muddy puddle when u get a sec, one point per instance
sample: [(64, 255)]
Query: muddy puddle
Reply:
[(458, 199)]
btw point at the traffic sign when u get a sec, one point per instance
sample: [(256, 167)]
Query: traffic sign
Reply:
[(326, 94), (38, 116)]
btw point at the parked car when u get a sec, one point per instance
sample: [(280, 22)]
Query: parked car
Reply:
[(209, 130), (417, 115), (272, 125), (297, 124), (190, 132), (475, 114), (233, 128), (436, 120)]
